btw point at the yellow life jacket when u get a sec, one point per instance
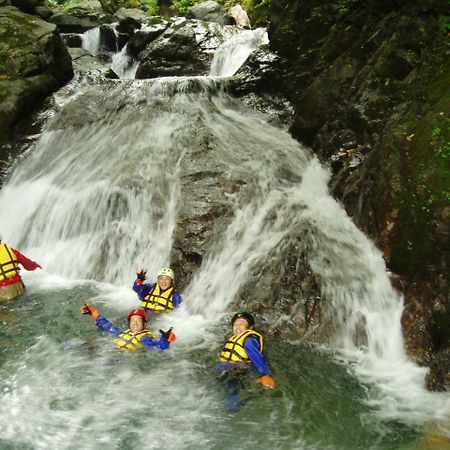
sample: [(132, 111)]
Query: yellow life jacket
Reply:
[(9, 264), (234, 350), (157, 301), (132, 341)]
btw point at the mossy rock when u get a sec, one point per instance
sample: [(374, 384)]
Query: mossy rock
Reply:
[(421, 233), (34, 62)]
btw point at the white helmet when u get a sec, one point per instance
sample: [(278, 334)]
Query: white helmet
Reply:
[(167, 272)]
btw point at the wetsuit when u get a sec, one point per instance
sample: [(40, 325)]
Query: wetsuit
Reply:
[(144, 290), (145, 341), (233, 372)]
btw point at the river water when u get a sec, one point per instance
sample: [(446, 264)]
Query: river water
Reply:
[(98, 196)]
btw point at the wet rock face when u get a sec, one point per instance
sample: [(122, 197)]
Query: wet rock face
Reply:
[(148, 33), (370, 87), (34, 63), (186, 48), (438, 378)]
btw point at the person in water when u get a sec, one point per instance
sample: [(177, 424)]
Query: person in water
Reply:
[(11, 284), (240, 352), (136, 336), (160, 296)]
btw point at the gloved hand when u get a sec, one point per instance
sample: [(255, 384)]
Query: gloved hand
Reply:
[(87, 308), (267, 381), (169, 335), (142, 275)]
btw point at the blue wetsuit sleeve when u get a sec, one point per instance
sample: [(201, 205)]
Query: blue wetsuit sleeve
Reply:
[(253, 349), (142, 289), (177, 299), (105, 325), (162, 343)]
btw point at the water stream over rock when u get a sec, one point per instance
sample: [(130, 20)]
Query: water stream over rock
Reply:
[(123, 176)]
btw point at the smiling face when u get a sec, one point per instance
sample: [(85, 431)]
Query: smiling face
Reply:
[(239, 326), (164, 282), (136, 324)]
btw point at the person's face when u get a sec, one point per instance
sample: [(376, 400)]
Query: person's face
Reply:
[(136, 324), (164, 282), (239, 326)]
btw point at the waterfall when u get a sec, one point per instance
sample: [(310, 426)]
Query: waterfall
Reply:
[(124, 65), (101, 194), (230, 56), (90, 40)]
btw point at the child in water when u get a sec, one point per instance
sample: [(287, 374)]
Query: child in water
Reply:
[(136, 336), (241, 351), (157, 297)]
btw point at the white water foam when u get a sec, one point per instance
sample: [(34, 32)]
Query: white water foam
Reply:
[(230, 56)]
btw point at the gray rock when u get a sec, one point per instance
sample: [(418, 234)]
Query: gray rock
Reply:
[(186, 48), (210, 11), (85, 8), (68, 23), (108, 38), (73, 40), (148, 33), (131, 13)]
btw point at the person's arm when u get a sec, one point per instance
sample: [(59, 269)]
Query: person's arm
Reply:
[(252, 347), (177, 299), (101, 321), (142, 289), (105, 325), (162, 343), (27, 263)]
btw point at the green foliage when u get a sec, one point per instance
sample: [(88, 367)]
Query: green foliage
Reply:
[(444, 24), (341, 9), (150, 6), (436, 132), (181, 6), (444, 151)]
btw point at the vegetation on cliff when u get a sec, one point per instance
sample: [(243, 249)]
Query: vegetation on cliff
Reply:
[(370, 82)]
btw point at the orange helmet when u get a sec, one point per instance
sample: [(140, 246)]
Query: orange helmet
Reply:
[(137, 312)]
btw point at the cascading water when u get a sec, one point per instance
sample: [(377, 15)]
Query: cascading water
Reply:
[(230, 56), (90, 40), (99, 196), (124, 65)]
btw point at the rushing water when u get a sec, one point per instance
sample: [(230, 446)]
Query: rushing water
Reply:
[(98, 197)]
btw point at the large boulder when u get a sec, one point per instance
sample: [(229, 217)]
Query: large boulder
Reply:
[(71, 23), (240, 16), (34, 62), (146, 34), (210, 11), (81, 17), (186, 48)]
